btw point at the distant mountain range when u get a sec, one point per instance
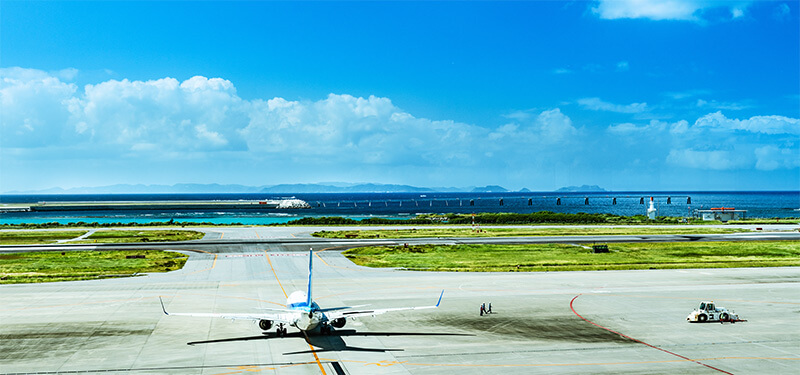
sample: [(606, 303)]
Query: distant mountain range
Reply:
[(333, 187)]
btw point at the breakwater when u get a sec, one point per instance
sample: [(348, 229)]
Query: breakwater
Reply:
[(190, 205)]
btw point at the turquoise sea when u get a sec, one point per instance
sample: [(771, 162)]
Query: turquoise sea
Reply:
[(780, 204)]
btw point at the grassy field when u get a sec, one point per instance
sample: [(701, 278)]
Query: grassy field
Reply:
[(560, 257), (510, 232), (101, 236), (47, 266), (37, 237), (122, 236)]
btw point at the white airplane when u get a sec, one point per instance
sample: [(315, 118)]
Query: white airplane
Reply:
[(302, 312)]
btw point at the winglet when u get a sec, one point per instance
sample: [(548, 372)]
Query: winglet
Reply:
[(162, 306), (440, 298)]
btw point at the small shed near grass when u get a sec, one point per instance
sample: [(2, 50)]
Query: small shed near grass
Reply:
[(723, 214)]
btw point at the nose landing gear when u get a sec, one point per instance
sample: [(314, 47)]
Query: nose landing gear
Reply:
[(280, 331)]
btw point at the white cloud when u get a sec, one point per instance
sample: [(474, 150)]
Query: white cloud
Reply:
[(168, 119), (680, 10), (755, 124), (547, 129), (343, 127), (710, 160), (596, 104), (715, 142), (652, 9), (67, 74), (623, 66), (199, 122), (554, 126), (35, 106), (770, 158), (782, 12), (721, 105), (194, 115), (627, 128), (686, 94)]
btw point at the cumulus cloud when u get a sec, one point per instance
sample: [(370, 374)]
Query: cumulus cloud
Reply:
[(35, 107), (203, 120), (555, 126), (547, 129), (596, 104), (680, 10), (194, 115), (169, 119), (370, 129), (715, 142)]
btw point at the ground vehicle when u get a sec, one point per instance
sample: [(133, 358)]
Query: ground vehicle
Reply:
[(708, 312)]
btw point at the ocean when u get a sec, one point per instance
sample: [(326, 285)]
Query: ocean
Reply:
[(759, 204)]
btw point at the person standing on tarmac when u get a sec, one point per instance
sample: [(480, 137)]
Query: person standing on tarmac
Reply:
[(483, 309)]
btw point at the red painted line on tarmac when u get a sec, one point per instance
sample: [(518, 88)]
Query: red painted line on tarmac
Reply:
[(640, 341)]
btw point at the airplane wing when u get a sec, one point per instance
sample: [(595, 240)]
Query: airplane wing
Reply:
[(280, 316), (358, 313), (340, 308)]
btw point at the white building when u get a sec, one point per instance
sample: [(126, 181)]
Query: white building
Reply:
[(723, 214)]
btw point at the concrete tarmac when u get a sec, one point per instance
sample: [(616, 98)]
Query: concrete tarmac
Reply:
[(628, 322)]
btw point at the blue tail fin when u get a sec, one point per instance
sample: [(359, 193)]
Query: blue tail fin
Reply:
[(310, 261)]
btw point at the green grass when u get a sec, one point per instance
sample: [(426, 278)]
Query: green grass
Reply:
[(560, 257), (124, 236), (48, 266), (37, 237), (509, 232), (101, 236)]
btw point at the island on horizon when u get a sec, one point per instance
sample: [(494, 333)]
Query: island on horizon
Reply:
[(312, 188)]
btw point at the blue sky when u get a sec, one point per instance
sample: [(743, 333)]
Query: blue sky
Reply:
[(628, 95)]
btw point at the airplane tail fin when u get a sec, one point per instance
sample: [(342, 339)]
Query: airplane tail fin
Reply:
[(310, 261)]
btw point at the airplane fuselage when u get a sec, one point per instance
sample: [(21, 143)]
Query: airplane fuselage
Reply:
[(309, 316)]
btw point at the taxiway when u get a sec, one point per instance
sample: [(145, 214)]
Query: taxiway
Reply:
[(620, 322)]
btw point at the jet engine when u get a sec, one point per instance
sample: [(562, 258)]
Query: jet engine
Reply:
[(339, 322), (264, 324)]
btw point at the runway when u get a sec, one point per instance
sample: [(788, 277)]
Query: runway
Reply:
[(628, 322)]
